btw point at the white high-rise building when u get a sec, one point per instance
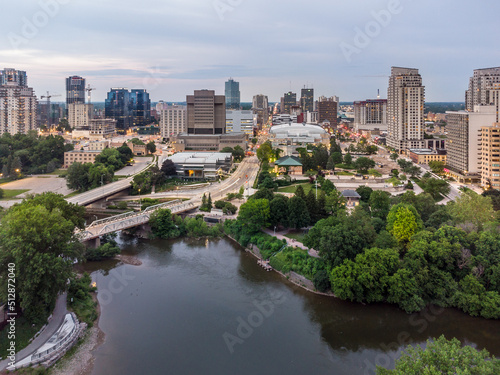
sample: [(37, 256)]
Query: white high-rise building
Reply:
[(173, 121), (79, 115), (240, 122), (371, 115), (18, 103), (405, 109), (480, 89)]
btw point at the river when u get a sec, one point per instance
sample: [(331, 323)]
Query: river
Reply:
[(206, 307)]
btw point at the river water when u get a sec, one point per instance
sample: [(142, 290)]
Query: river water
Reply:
[(206, 307)]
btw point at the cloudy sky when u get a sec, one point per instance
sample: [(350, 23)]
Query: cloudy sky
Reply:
[(172, 47)]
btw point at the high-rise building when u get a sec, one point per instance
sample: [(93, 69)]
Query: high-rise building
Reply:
[(206, 113), (117, 106), (464, 141), (232, 94), (102, 128), (79, 115), (370, 115), (75, 90), (172, 121), (405, 109), (260, 107), (490, 156), (141, 107), (480, 86), (240, 122), (288, 101), (307, 100), (328, 110), (18, 103)]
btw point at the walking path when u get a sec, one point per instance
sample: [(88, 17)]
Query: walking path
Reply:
[(58, 316), (292, 242)]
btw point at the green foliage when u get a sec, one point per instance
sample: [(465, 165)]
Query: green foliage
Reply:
[(327, 186), (379, 203), (255, 214), (227, 207), (278, 210), (111, 158), (348, 159), (41, 242), (80, 299), (296, 260), (435, 187), (168, 168), (264, 152), (163, 225), (197, 227), (1, 193), (146, 180), (472, 209), (365, 192), (151, 147), (362, 164), (495, 198), (437, 166), (443, 356), (298, 214), (88, 176), (105, 251), (403, 221), (321, 281), (394, 156), (238, 153)]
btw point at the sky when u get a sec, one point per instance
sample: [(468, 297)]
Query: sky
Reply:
[(173, 47)]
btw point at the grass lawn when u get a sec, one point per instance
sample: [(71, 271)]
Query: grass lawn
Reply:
[(24, 332), (298, 236), (291, 189), (9, 194), (344, 173), (58, 172), (73, 194)]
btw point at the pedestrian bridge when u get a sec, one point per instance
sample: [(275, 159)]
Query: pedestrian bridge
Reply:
[(127, 220)]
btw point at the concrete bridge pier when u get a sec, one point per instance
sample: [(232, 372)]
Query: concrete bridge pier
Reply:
[(94, 242)]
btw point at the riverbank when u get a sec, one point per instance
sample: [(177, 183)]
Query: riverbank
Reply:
[(290, 277), (80, 361)]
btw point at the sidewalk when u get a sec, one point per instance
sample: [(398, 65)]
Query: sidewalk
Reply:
[(58, 315), (292, 242)]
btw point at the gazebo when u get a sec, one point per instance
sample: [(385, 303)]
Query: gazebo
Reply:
[(291, 164)]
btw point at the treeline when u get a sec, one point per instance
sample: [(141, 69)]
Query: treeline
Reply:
[(164, 225), (87, 176), (31, 154)]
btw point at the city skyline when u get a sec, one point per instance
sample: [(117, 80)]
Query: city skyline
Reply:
[(172, 48)]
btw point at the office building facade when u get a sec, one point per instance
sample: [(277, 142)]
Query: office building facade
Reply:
[(288, 101), (117, 106), (260, 106), (490, 156), (172, 121), (75, 90), (328, 110), (481, 85), (370, 115), (307, 100), (18, 103), (240, 122), (206, 113), (405, 109), (79, 115), (141, 107), (232, 94)]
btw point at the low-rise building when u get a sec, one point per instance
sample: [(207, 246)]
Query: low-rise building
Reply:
[(202, 142), (426, 155), (290, 164), (352, 198), (299, 133), (201, 165), (78, 156), (102, 128)]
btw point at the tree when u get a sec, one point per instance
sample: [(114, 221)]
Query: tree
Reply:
[(394, 156), (299, 192), (151, 147), (77, 176), (495, 197), (348, 159), (264, 193), (365, 192), (331, 164), (403, 221), (42, 244), (443, 356), (472, 209), (362, 164), (126, 154), (435, 187), (371, 149), (337, 157), (374, 173), (278, 209), (437, 166), (110, 157), (334, 202), (327, 186), (380, 203), (264, 151), (255, 214), (298, 214), (413, 171), (168, 168), (163, 225), (1, 193)]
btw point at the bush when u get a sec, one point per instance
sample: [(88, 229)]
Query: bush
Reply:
[(122, 205), (322, 281), (106, 251), (80, 300)]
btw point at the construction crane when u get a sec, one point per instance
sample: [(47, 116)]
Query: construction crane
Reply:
[(89, 90), (48, 96)]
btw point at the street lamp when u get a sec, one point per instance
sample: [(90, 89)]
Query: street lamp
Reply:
[(140, 202)]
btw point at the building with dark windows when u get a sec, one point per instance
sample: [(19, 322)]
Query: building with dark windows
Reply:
[(307, 100), (328, 110), (206, 113), (481, 86), (118, 106), (232, 94), (288, 101), (260, 106), (75, 90), (370, 115), (18, 103), (141, 107)]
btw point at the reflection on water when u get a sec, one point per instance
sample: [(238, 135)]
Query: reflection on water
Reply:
[(198, 307)]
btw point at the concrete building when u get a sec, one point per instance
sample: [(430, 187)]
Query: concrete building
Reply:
[(198, 142), (206, 113), (284, 118), (75, 90), (79, 115), (232, 93), (240, 122), (260, 107), (405, 109), (370, 115), (102, 128), (288, 101), (490, 156), (307, 100), (426, 155), (293, 133), (18, 103), (480, 86), (172, 121), (201, 165), (328, 110), (78, 156), (464, 142)]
